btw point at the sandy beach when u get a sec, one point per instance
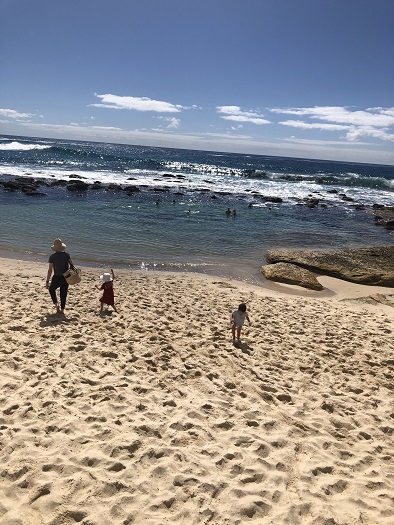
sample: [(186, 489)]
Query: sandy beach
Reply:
[(151, 415)]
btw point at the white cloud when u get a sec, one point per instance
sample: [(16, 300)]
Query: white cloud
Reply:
[(174, 123), (356, 133), (226, 136), (372, 122), (342, 115), (11, 113), (241, 118), (234, 113), (309, 125), (105, 128), (324, 143), (136, 103)]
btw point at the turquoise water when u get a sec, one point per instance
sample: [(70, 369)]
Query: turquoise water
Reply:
[(189, 234), (177, 219)]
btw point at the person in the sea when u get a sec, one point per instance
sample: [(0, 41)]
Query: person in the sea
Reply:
[(228, 212), (237, 320), (59, 262), (108, 296)]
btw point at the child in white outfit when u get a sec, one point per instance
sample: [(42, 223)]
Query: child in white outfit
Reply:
[(237, 320)]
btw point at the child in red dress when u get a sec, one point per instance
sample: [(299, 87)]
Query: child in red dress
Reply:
[(108, 290)]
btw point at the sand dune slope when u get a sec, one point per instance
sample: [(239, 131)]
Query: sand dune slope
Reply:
[(151, 416)]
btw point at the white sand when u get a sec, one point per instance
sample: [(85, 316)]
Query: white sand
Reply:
[(151, 416)]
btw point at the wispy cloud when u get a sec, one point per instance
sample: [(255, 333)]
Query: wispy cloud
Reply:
[(15, 115), (173, 123), (371, 122), (136, 104), (105, 128), (325, 143), (314, 125), (236, 114)]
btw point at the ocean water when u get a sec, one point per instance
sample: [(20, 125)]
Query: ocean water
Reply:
[(174, 215)]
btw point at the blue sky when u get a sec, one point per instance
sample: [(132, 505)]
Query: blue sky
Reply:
[(300, 78)]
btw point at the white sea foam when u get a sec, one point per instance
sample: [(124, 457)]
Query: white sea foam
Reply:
[(18, 146), (220, 182)]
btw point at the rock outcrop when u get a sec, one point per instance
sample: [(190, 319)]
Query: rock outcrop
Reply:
[(384, 217), (291, 274), (371, 266)]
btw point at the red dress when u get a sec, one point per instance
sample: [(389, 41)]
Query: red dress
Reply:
[(108, 295)]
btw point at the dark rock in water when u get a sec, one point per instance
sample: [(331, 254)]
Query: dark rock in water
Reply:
[(77, 186), (267, 198), (27, 180), (76, 181), (9, 185), (29, 188), (346, 198), (60, 182), (131, 189), (291, 274), (372, 266), (311, 202)]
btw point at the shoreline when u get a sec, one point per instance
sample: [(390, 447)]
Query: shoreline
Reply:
[(333, 288), (152, 415)]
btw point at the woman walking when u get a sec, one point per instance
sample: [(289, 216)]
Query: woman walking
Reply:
[(59, 262)]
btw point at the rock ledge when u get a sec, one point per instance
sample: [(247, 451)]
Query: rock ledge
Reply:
[(371, 266)]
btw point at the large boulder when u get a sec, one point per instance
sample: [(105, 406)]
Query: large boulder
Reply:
[(372, 266), (291, 274)]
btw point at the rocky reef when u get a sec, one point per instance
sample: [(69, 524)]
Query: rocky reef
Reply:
[(370, 266)]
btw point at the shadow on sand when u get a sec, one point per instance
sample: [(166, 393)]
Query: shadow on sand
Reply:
[(56, 319), (244, 347)]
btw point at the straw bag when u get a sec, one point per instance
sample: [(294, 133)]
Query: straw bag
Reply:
[(73, 275)]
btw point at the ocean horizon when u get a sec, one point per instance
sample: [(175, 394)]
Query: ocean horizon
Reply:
[(156, 208)]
